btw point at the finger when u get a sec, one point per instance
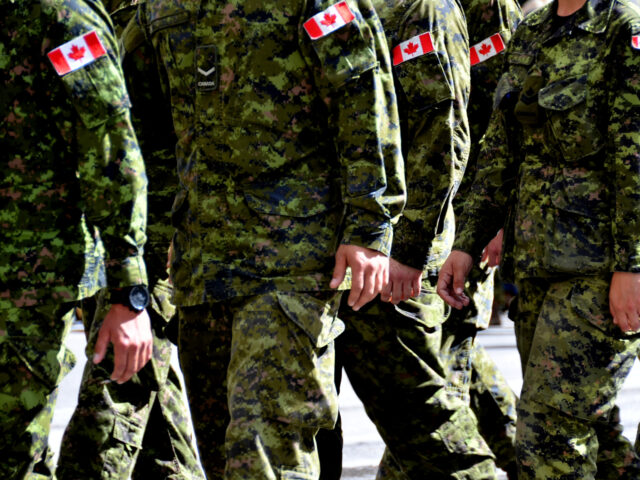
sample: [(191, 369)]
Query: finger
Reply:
[(415, 288), (368, 290), (339, 270), (443, 289), (385, 294), (120, 354), (100, 350), (134, 359), (397, 292), (357, 283)]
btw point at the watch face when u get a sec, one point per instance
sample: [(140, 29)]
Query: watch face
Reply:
[(139, 298)]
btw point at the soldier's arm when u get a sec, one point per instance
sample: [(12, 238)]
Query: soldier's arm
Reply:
[(355, 70), (437, 129), (624, 133), (113, 182)]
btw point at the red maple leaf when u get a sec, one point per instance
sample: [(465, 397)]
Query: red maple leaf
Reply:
[(328, 20), (484, 49), (76, 53), (411, 48)]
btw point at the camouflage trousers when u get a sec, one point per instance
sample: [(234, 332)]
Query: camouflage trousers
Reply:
[(33, 361), (259, 372), (575, 361), (138, 429), (412, 372)]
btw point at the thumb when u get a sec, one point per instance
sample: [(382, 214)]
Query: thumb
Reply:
[(100, 350), (339, 270)]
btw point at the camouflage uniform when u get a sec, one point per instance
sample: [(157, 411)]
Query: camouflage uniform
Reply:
[(287, 146), (560, 154), (143, 423), (410, 368), (492, 400), (68, 147)]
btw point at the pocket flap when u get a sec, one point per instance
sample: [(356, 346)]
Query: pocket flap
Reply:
[(317, 318), (563, 94)]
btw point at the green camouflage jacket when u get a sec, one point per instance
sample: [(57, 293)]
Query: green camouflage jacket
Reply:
[(563, 146), (68, 147), (485, 20), (287, 145), (430, 54)]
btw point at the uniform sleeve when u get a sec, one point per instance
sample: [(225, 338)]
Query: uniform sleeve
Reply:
[(363, 110), (490, 194), (437, 139), (111, 170), (624, 134)]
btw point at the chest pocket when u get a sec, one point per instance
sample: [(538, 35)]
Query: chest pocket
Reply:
[(423, 81), (97, 91), (345, 54), (571, 123)]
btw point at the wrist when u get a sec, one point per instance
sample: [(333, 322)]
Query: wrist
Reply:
[(136, 298)]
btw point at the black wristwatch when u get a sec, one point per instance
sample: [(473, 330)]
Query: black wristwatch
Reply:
[(136, 297)]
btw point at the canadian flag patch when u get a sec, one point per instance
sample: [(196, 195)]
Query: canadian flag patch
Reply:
[(486, 49), (329, 20), (77, 53), (412, 48), (635, 41)]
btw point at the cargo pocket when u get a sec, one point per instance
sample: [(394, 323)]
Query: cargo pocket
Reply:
[(590, 300), (423, 80), (460, 435), (344, 54), (571, 124)]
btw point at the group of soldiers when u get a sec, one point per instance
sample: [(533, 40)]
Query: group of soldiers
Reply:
[(318, 193)]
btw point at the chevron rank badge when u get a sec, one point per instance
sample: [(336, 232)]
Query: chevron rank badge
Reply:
[(77, 53)]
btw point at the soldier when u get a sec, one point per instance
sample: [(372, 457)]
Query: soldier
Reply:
[(409, 367), (68, 147), (561, 154), (490, 24), (288, 150), (144, 423)]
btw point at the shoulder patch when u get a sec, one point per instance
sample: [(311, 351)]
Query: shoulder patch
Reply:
[(487, 48), (413, 48), (329, 20), (77, 53), (635, 41)]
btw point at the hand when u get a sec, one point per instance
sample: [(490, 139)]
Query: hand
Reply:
[(491, 253), (624, 300), (369, 273), (130, 334), (452, 277), (404, 282)]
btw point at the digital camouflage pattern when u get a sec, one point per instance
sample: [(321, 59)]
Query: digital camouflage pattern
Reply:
[(257, 405), (560, 157), (68, 148), (88, 137), (286, 146), (577, 360), (142, 428), (418, 397)]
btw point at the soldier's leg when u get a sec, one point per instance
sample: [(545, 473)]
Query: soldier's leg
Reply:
[(33, 361), (494, 403), (204, 346), (281, 383), (104, 436), (168, 450), (492, 400), (412, 374), (578, 360)]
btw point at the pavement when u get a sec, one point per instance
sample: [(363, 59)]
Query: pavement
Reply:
[(362, 445)]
